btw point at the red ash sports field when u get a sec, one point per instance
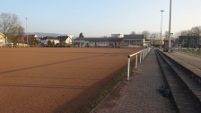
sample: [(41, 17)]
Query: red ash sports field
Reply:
[(53, 80)]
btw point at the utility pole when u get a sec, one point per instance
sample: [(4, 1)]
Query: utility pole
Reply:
[(27, 32), (161, 34), (169, 42)]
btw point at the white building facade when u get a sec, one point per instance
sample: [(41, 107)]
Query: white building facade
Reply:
[(45, 40), (2, 39), (115, 41)]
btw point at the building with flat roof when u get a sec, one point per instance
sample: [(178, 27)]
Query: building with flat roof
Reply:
[(190, 41), (117, 36), (119, 42)]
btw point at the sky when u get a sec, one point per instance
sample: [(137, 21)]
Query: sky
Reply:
[(97, 18)]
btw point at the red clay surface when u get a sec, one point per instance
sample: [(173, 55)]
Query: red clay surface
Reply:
[(55, 80)]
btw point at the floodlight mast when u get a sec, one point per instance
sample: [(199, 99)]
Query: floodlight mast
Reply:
[(169, 41)]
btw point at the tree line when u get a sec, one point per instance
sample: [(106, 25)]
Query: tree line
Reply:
[(194, 31), (11, 27)]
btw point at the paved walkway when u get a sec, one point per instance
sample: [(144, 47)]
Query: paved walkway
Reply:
[(139, 95)]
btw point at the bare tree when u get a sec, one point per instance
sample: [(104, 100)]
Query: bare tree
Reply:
[(189, 33), (146, 34), (132, 33), (177, 34), (17, 34), (196, 31), (9, 24), (81, 35), (183, 33), (153, 38)]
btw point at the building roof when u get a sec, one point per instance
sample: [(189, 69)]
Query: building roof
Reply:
[(100, 39), (117, 35), (115, 39), (93, 39), (136, 37), (31, 36), (140, 37), (48, 37), (63, 38)]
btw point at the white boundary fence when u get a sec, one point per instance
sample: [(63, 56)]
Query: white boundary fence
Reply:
[(143, 53)]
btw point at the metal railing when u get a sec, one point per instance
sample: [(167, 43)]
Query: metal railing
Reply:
[(142, 54)]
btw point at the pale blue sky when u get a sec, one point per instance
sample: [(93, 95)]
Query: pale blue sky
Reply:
[(103, 17)]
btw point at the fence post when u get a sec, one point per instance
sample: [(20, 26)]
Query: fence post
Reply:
[(136, 61), (140, 57), (143, 55), (128, 73)]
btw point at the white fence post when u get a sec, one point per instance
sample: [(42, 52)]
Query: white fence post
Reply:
[(143, 54), (146, 52), (136, 61), (128, 73)]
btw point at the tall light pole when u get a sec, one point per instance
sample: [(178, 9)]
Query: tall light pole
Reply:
[(26, 31), (18, 27), (169, 42), (161, 27)]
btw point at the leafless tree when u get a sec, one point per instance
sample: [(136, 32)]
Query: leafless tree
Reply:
[(17, 34), (146, 34), (186, 33), (81, 35), (10, 25), (153, 37), (183, 33), (196, 31), (132, 33), (166, 34), (189, 33)]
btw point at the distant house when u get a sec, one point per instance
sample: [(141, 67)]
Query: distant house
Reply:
[(2, 39), (68, 39), (134, 40), (32, 39), (166, 44), (157, 42), (147, 42), (116, 40), (91, 42), (49, 40)]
